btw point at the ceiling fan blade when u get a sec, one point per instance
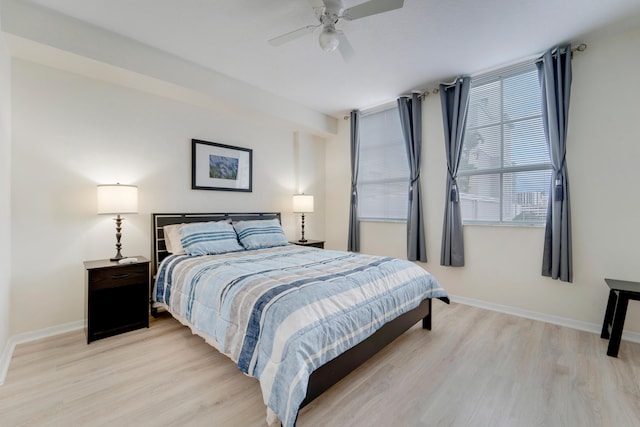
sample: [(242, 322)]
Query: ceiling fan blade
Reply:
[(345, 48), (280, 40), (333, 6), (316, 3), (371, 7), (318, 7)]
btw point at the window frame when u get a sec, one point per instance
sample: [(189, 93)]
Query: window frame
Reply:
[(482, 80), (395, 180)]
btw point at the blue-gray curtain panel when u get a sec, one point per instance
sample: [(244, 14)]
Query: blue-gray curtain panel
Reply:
[(411, 122), (554, 70), (353, 244), (455, 103)]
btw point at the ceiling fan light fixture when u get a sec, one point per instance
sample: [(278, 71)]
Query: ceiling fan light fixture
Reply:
[(329, 39)]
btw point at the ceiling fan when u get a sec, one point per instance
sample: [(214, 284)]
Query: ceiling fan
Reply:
[(329, 12)]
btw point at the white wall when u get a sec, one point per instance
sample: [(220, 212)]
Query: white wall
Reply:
[(309, 170), (503, 264), (5, 191), (71, 133), (338, 182)]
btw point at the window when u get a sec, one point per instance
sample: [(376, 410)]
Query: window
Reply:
[(383, 169), (505, 171)]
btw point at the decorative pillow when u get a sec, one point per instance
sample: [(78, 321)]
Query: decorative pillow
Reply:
[(260, 234), (209, 238), (172, 239)]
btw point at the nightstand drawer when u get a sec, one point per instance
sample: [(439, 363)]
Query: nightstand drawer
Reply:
[(121, 276)]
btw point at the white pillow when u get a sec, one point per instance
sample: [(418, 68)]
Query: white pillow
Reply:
[(172, 239)]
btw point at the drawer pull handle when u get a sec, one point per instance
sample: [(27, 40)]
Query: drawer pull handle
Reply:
[(120, 276)]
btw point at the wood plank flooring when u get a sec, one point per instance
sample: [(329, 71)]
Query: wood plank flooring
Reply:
[(475, 368)]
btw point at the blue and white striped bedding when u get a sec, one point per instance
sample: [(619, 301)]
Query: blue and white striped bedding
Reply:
[(280, 313)]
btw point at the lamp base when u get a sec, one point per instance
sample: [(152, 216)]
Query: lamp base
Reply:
[(118, 221), (302, 239)]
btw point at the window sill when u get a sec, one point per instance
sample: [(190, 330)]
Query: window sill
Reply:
[(502, 224), (395, 221)]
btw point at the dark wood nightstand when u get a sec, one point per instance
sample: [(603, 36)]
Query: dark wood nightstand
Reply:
[(117, 297), (312, 243)]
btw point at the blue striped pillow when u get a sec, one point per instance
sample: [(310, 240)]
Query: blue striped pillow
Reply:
[(209, 238), (260, 234)]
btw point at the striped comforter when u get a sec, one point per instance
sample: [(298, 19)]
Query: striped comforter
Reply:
[(280, 313)]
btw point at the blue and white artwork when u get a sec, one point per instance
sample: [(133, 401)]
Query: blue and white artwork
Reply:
[(223, 167), (220, 167)]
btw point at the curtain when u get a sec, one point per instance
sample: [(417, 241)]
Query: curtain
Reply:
[(411, 122), (554, 71), (353, 244), (455, 102)]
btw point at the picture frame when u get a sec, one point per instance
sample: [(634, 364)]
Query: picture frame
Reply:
[(220, 167)]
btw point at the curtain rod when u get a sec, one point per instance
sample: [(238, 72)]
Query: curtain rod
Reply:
[(580, 48), (423, 94)]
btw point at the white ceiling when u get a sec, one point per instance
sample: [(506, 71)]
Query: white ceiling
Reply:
[(408, 49)]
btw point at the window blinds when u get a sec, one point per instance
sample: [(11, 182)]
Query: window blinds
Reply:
[(383, 175), (505, 171)]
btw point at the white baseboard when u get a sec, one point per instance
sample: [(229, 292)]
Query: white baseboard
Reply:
[(547, 318), (5, 359), (10, 346)]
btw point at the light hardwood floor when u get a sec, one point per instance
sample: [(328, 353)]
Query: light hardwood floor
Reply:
[(475, 368)]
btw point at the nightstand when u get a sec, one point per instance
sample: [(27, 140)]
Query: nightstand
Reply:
[(311, 243), (117, 297)]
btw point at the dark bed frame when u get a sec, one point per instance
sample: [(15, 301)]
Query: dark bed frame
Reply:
[(333, 371)]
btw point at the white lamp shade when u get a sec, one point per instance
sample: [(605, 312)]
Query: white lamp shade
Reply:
[(302, 203), (117, 199)]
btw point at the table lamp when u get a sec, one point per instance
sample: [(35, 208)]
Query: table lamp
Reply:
[(302, 203), (117, 199)]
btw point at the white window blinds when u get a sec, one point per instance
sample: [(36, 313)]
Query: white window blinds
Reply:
[(505, 171), (383, 174)]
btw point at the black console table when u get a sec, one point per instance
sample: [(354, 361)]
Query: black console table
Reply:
[(620, 293)]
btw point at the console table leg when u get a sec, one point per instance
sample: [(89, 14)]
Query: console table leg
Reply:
[(618, 325), (608, 315)]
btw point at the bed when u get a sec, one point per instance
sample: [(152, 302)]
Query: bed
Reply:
[(298, 319)]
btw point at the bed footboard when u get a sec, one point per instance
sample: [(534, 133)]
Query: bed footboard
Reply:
[(333, 371)]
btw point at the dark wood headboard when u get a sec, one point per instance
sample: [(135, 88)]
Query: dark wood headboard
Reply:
[(159, 220)]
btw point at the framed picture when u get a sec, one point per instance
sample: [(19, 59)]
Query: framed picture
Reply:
[(220, 167)]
